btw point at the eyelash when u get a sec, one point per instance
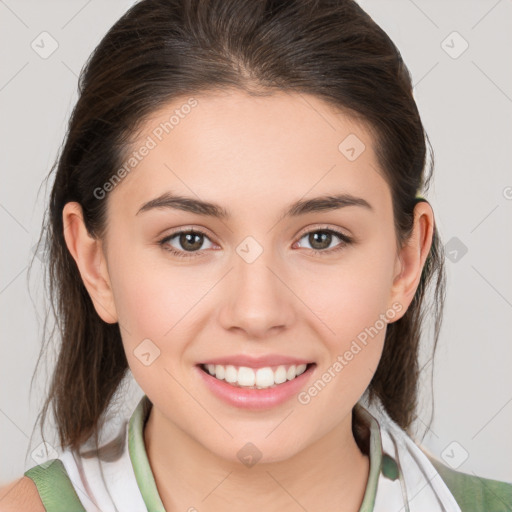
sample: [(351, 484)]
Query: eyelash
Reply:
[(345, 240)]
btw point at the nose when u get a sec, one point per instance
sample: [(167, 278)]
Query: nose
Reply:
[(259, 300)]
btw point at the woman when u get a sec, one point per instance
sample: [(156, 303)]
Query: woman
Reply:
[(236, 221)]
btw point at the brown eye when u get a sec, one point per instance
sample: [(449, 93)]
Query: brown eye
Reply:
[(190, 241), (183, 242), (321, 240)]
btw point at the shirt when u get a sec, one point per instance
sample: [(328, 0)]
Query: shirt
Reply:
[(402, 477)]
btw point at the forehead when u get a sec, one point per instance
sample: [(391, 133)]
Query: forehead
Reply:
[(236, 147)]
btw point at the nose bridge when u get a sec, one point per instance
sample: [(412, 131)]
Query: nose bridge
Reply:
[(257, 298)]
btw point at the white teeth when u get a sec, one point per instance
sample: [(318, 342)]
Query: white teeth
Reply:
[(264, 377), (220, 371), (280, 375), (246, 376), (231, 374), (260, 378)]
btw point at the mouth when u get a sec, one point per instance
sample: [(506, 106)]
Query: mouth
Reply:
[(266, 377)]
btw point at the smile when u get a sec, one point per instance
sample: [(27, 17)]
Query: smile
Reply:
[(260, 378)]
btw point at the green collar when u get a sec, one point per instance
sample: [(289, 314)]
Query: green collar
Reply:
[(139, 457), (379, 462)]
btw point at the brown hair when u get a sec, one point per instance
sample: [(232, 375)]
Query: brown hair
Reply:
[(161, 49)]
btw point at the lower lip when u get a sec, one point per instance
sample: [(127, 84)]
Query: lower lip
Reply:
[(256, 398)]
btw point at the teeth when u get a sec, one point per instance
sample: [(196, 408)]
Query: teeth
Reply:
[(257, 379)]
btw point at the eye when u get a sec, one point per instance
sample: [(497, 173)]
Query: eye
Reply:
[(185, 243), (190, 240), (321, 240)]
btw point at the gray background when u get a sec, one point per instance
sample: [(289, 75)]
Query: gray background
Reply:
[(465, 100)]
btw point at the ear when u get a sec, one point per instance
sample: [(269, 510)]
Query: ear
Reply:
[(412, 256), (88, 255)]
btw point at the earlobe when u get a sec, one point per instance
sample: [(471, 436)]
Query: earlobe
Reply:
[(412, 256), (87, 252)]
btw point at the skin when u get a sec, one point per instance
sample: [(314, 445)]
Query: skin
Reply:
[(20, 496), (253, 156)]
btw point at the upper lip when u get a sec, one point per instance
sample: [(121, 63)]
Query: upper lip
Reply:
[(256, 362)]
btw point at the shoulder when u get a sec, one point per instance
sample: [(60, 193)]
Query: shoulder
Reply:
[(43, 488), (55, 487), (474, 493), (20, 496)]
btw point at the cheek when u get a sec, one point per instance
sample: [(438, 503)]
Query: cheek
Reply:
[(350, 296), (154, 308), (353, 315), (351, 306), (150, 294), (162, 303)]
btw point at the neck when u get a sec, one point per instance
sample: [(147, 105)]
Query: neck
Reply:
[(332, 473)]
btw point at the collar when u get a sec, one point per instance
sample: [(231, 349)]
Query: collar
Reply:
[(381, 465)]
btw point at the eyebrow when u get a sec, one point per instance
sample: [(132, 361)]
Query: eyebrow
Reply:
[(300, 207)]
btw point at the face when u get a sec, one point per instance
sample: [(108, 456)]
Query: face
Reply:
[(314, 284)]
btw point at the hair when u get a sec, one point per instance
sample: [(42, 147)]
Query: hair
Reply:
[(160, 50)]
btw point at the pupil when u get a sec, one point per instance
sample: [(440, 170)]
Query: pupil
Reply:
[(185, 240), (323, 235)]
